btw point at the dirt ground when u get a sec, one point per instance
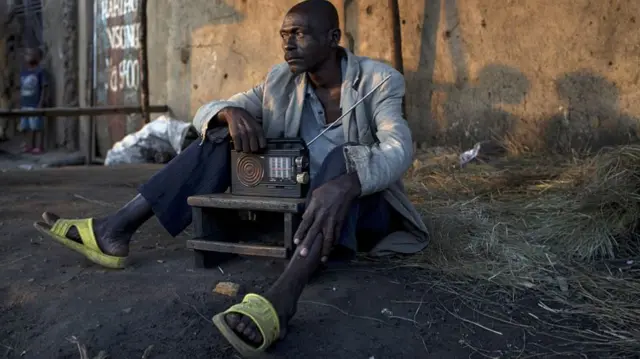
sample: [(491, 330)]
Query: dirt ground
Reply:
[(362, 310)]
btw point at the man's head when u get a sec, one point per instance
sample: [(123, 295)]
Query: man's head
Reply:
[(310, 35)]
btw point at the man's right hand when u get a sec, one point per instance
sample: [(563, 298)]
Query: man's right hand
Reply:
[(245, 131)]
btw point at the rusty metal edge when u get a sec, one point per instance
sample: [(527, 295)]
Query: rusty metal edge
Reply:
[(80, 111)]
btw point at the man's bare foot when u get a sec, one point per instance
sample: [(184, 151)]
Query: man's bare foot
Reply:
[(110, 242), (283, 295), (245, 328)]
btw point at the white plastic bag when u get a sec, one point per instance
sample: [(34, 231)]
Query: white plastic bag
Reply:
[(468, 155), (164, 135)]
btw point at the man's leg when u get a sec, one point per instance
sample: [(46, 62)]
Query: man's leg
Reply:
[(286, 291), (199, 169), (370, 219)]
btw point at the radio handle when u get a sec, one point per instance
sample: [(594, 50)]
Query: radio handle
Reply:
[(285, 141)]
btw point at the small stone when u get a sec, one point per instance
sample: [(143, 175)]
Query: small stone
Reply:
[(160, 261), (563, 284), (227, 288), (126, 310)]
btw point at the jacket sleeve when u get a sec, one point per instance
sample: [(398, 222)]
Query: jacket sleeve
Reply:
[(250, 100), (385, 162)]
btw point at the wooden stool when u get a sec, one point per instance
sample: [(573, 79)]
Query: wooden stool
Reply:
[(214, 243)]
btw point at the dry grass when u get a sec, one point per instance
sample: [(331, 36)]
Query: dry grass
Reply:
[(565, 227)]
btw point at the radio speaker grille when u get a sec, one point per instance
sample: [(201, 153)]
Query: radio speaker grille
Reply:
[(250, 170)]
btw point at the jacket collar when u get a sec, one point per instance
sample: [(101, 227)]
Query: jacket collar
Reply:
[(348, 96)]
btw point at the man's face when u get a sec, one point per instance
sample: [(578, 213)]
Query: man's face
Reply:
[(306, 46)]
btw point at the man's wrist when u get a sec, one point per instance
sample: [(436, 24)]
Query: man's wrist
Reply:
[(221, 116), (353, 182)]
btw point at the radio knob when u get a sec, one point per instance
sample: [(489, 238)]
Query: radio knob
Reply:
[(302, 178), (299, 161)]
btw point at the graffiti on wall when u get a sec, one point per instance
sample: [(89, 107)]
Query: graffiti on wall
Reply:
[(117, 64)]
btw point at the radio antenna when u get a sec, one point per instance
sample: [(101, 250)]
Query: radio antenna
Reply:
[(349, 110)]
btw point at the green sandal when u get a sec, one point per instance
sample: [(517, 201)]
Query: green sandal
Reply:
[(89, 246), (263, 315)]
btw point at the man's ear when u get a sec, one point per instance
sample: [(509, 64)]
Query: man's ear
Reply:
[(335, 36)]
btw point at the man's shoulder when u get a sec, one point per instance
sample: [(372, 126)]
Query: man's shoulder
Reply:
[(279, 78), (367, 64), (376, 70), (280, 71)]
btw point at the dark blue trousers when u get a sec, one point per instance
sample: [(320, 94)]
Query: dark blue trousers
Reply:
[(205, 169)]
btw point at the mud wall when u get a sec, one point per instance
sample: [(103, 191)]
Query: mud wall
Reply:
[(539, 75), (10, 38), (60, 21), (59, 46)]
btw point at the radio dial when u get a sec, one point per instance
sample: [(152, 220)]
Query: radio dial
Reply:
[(302, 178)]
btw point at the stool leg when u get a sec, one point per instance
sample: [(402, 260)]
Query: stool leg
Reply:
[(205, 225), (291, 222)]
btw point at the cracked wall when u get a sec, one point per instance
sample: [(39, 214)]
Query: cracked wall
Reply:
[(556, 75)]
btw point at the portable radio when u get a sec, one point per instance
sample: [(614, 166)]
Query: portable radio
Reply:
[(281, 170)]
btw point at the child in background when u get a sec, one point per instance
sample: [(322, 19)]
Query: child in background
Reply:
[(33, 93)]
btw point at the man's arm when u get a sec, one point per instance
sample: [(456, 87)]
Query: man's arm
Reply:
[(383, 163), (250, 100)]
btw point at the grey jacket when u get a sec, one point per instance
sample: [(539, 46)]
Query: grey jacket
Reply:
[(384, 151)]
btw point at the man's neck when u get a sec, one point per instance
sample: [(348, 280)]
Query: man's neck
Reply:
[(329, 74)]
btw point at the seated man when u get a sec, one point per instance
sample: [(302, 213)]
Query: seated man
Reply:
[(356, 166)]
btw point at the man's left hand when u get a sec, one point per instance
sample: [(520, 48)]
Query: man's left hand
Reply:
[(326, 212)]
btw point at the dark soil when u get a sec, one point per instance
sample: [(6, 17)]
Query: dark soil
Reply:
[(364, 310)]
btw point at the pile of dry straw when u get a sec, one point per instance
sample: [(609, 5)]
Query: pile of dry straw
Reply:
[(568, 228)]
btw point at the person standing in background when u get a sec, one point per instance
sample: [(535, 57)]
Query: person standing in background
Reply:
[(33, 93)]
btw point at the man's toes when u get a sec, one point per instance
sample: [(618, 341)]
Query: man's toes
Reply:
[(241, 326), (255, 338), (252, 334), (232, 319), (244, 327), (44, 225), (73, 235), (249, 333), (50, 218)]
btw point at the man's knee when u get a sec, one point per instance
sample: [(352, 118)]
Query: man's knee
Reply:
[(205, 153), (333, 166), (201, 168)]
